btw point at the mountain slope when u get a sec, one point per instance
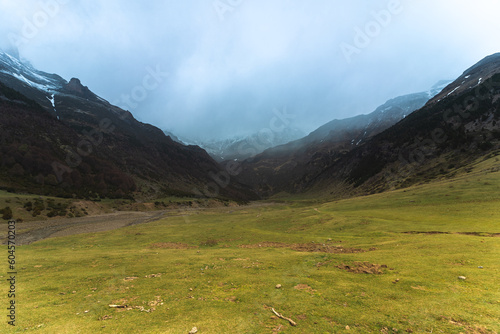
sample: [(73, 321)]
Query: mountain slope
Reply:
[(451, 131), (288, 167), (84, 144)]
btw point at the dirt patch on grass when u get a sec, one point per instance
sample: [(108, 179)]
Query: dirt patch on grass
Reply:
[(125, 304), (426, 232), (304, 287), (363, 268), (30, 232), (477, 234), (308, 247), (172, 245), (131, 278), (154, 275), (481, 234)]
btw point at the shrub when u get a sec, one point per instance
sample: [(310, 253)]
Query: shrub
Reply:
[(28, 206), (52, 213), (6, 213), (38, 207)]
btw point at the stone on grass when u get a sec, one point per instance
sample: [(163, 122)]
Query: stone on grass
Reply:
[(463, 278)]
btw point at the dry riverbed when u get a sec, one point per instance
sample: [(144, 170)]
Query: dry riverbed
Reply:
[(29, 232), (32, 231)]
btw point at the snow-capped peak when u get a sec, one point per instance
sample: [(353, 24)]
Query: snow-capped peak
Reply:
[(24, 72)]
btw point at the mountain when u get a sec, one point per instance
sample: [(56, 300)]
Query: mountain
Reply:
[(471, 78), (173, 137), (285, 167), (454, 129), (448, 134), (58, 137), (244, 147)]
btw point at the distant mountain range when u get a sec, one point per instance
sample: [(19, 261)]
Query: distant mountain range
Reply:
[(244, 147), (58, 137)]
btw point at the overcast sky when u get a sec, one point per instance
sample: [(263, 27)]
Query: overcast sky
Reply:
[(215, 68)]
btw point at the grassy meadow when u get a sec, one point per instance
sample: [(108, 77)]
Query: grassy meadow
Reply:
[(386, 263)]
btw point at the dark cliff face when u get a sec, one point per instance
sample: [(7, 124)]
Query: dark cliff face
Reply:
[(75, 87)]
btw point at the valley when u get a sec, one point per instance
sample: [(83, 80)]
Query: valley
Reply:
[(384, 222), (385, 263)]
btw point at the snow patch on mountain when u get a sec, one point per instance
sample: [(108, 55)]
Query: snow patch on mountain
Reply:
[(453, 91), (52, 101), (25, 72)]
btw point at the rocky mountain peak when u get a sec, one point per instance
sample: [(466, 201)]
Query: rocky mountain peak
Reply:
[(75, 86)]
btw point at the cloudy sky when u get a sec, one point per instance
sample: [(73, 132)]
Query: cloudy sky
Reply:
[(217, 68)]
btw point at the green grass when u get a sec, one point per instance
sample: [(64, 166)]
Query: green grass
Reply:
[(66, 284)]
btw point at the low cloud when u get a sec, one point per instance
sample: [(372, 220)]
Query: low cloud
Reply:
[(227, 70)]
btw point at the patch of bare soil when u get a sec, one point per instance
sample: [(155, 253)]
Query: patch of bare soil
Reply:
[(124, 304), (427, 232), (477, 234), (363, 268), (308, 247), (304, 287), (30, 232), (481, 234), (172, 245)]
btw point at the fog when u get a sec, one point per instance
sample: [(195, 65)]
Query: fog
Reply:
[(218, 68)]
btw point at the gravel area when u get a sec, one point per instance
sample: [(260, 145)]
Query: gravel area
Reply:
[(29, 232)]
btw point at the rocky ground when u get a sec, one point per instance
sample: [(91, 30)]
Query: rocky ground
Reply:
[(30, 232)]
